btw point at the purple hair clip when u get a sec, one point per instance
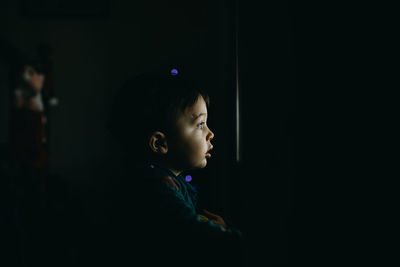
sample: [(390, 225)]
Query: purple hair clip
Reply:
[(174, 72)]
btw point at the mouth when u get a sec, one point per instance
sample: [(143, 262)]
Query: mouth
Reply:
[(208, 155)]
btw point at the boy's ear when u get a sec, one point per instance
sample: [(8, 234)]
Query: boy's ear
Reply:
[(158, 143)]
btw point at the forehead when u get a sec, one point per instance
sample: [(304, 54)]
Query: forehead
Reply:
[(193, 112), (197, 109)]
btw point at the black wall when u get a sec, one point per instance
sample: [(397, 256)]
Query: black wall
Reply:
[(93, 56), (268, 83)]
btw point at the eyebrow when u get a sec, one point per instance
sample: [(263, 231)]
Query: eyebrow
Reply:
[(195, 117)]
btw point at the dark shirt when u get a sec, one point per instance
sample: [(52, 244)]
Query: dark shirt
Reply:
[(156, 221), (181, 201)]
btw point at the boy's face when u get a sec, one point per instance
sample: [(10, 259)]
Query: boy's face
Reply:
[(192, 142)]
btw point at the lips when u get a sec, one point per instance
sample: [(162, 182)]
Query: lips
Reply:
[(208, 155)]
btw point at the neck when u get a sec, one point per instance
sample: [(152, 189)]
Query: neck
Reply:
[(176, 172)]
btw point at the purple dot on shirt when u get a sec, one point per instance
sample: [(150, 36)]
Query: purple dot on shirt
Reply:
[(174, 72), (188, 178)]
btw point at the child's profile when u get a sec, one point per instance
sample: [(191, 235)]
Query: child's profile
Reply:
[(189, 142), (162, 133)]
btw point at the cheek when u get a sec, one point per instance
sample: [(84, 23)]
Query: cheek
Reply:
[(199, 155), (194, 146)]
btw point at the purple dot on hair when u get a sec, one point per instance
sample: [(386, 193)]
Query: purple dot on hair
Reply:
[(174, 72), (188, 178)]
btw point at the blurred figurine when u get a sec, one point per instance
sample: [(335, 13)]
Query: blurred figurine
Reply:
[(28, 95), (27, 127)]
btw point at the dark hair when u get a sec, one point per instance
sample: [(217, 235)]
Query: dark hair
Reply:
[(147, 103)]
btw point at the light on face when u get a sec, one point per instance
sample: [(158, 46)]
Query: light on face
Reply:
[(188, 178)]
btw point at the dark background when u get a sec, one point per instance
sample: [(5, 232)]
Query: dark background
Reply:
[(98, 45)]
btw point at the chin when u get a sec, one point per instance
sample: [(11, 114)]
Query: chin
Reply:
[(203, 164), (200, 165)]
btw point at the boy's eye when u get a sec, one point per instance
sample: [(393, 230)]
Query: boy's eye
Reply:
[(201, 125)]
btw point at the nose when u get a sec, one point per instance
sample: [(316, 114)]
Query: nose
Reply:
[(210, 135)]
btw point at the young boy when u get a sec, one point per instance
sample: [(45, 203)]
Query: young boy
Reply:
[(161, 126)]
